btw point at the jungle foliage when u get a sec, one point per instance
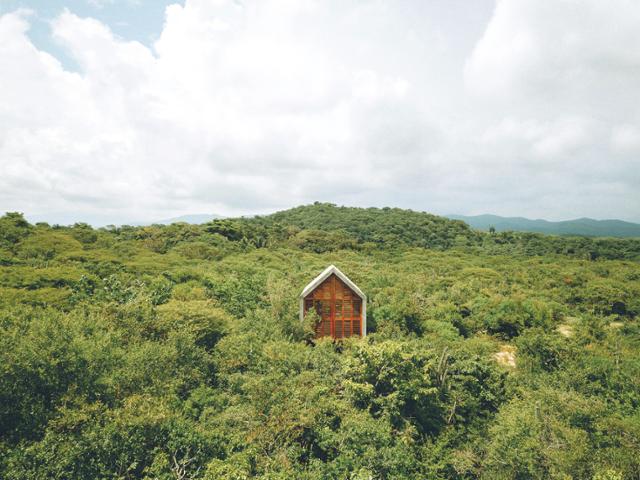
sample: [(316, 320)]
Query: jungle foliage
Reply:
[(175, 352)]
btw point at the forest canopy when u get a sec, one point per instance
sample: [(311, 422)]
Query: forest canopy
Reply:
[(175, 352)]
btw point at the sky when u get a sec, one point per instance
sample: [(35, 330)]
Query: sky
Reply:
[(113, 111)]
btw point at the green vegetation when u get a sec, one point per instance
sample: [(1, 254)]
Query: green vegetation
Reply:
[(175, 352)]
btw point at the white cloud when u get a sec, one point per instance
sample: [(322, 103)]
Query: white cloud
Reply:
[(558, 79), (626, 138), (559, 51), (250, 106), (552, 141)]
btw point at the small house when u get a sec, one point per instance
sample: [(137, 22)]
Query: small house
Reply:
[(340, 304)]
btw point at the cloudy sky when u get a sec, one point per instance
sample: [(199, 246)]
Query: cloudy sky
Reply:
[(121, 110)]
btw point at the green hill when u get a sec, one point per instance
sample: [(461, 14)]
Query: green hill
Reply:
[(323, 227), (376, 225)]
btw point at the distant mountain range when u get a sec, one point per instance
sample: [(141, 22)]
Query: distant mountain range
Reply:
[(195, 219), (102, 221), (581, 226)]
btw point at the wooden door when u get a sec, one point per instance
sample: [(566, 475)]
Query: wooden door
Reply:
[(339, 308)]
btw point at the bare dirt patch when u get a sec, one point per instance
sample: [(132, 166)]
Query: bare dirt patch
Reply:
[(565, 330), (506, 356)]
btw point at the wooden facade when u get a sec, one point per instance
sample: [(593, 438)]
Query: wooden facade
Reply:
[(339, 303)]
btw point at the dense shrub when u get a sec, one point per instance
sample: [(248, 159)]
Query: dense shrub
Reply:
[(177, 352)]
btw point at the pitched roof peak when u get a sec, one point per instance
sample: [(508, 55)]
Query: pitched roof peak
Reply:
[(332, 269)]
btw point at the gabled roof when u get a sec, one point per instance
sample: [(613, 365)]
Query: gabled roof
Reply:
[(326, 273)]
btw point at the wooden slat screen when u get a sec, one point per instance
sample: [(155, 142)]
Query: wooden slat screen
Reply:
[(339, 308)]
